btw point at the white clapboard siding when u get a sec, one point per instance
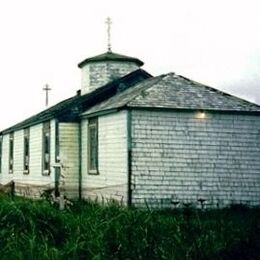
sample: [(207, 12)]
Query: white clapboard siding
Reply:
[(177, 157), (5, 176), (69, 156), (28, 184), (111, 182), (35, 174), (18, 155)]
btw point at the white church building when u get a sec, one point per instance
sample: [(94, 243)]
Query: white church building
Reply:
[(141, 140)]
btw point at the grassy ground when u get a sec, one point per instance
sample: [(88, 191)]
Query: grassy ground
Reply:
[(37, 230)]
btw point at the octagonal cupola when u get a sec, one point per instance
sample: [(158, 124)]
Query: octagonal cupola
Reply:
[(104, 68)]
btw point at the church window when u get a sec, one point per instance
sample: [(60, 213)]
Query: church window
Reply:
[(1, 144), (93, 146), (46, 149), (26, 148), (11, 153)]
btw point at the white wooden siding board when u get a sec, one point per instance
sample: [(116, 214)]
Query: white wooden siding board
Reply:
[(112, 179), (35, 176), (69, 155), (5, 161), (18, 156), (36, 152)]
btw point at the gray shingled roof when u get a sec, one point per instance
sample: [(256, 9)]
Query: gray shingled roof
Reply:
[(174, 92)]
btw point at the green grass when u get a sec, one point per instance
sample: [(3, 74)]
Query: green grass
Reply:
[(36, 230)]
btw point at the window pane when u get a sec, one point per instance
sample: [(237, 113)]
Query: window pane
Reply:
[(11, 152), (26, 146), (46, 147), (26, 150), (93, 145), (11, 148)]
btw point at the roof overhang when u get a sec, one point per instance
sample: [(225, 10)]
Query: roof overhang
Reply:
[(110, 56)]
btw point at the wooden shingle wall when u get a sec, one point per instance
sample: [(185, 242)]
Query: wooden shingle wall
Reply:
[(181, 158), (95, 75)]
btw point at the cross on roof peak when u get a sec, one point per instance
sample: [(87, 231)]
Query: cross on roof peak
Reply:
[(46, 89), (108, 22)]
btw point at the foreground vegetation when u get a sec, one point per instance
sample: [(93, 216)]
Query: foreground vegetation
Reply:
[(37, 230)]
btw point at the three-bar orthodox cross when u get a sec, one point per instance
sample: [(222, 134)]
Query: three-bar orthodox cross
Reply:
[(108, 22), (46, 89)]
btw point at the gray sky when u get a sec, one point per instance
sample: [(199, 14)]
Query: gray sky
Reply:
[(215, 42)]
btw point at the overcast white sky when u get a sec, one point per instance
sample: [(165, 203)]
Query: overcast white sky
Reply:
[(214, 42)]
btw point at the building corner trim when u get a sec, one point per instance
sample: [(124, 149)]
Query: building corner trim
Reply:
[(80, 161), (57, 154)]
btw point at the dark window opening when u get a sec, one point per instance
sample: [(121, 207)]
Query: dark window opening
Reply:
[(93, 146), (11, 153), (26, 151), (46, 149)]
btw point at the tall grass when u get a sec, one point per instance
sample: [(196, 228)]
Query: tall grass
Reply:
[(36, 230)]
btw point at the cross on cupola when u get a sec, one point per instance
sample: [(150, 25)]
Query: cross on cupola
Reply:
[(46, 89), (109, 22), (99, 70)]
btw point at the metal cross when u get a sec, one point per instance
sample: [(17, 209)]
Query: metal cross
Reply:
[(108, 22), (46, 89)]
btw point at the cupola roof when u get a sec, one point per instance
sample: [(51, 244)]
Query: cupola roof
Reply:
[(111, 56)]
